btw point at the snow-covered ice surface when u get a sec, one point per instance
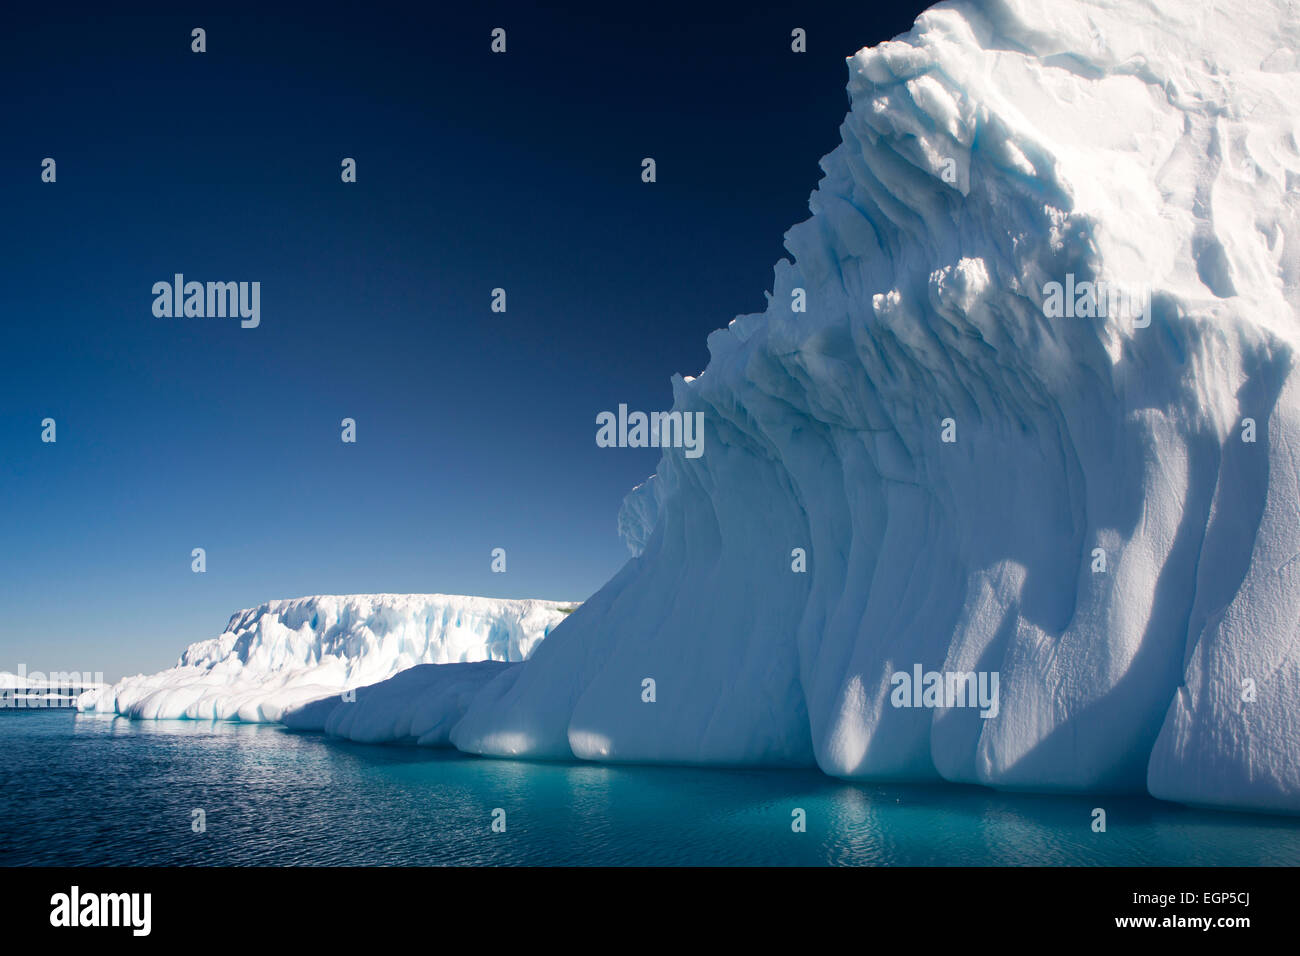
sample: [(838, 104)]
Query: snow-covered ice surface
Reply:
[(283, 654), (994, 149), (419, 705)]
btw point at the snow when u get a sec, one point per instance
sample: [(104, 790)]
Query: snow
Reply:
[(283, 654), (996, 148), (419, 705), (637, 516)]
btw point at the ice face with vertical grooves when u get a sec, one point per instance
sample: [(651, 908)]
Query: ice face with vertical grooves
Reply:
[(996, 148)]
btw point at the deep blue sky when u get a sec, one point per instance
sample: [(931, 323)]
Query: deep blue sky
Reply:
[(475, 430)]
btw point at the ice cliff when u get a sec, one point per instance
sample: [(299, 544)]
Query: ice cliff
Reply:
[(1101, 530), (283, 654)]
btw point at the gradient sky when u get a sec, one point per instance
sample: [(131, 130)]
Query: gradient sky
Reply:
[(475, 430)]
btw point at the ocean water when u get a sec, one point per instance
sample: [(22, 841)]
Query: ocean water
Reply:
[(78, 790)]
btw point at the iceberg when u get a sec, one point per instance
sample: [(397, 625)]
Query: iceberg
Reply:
[(283, 654), (1020, 422), (419, 705), (1099, 505)]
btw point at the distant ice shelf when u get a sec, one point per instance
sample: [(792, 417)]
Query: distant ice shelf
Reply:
[(286, 653), (42, 690)]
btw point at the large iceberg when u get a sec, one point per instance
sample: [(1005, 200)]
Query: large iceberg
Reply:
[(283, 654), (1040, 421), (1022, 407)]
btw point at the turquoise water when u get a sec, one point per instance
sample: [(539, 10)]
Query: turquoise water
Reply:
[(107, 791)]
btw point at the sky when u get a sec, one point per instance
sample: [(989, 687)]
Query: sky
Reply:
[(475, 429)]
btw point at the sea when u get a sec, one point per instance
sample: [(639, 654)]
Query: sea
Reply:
[(87, 790)]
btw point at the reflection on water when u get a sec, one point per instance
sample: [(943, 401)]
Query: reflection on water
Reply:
[(94, 790)]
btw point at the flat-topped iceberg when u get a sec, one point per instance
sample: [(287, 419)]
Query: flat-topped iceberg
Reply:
[(283, 654)]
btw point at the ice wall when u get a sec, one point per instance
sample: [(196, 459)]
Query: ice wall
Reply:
[(996, 148)]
